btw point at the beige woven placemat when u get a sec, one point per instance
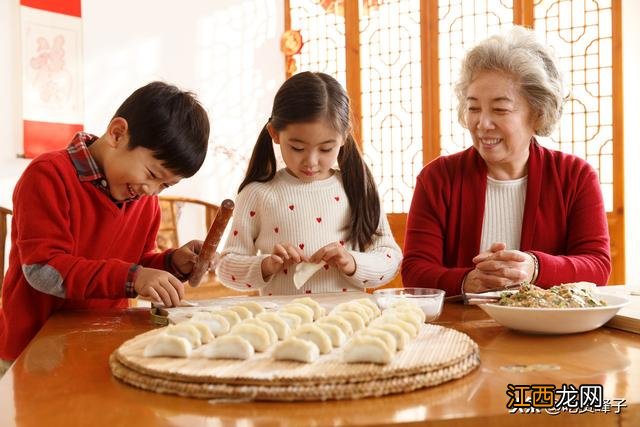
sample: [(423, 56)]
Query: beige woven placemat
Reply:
[(295, 392), (434, 348)]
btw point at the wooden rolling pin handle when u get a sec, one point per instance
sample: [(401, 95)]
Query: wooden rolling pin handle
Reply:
[(211, 242)]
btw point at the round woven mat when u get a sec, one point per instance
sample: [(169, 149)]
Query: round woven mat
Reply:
[(437, 355)]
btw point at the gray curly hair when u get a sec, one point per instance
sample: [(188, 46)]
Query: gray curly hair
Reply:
[(519, 54)]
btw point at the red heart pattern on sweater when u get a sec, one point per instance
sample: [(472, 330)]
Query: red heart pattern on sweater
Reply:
[(319, 219), (291, 207), (276, 229), (252, 213), (235, 232), (326, 266), (233, 278), (285, 270), (301, 245), (337, 198)]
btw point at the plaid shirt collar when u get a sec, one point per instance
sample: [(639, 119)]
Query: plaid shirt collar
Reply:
[(82, 159)]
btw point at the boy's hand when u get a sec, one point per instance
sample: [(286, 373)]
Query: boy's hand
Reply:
[(336, 255), (184, 258), (159, 286), (281, 255)]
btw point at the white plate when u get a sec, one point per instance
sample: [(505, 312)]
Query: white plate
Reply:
[(556, 320)]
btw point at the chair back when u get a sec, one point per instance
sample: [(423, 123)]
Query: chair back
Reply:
[(4, 227), (171, 209)]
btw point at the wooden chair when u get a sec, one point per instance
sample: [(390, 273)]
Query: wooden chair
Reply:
[(172, 208), (4, 214)]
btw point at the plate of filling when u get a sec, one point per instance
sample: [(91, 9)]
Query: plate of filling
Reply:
[(563, 309)]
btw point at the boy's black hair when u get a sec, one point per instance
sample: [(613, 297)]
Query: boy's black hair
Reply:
[(169, 122), (306, 97)]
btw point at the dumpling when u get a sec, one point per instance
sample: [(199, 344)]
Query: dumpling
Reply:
[(303, 272), (353, 318), (406, 315), (184, 330), (412, 307), (205, 333), (296, 349), (232, 317), (391, 319), (242, 311), (366, 349), (318, 310), (257, 336), (339, 321), (315, 334), (305, 312), (385, 336), (402, 337), (372, 305), (164, 345), (292, 319), (273, 337), (252, 306), (229, 347), (218, 325), (337, 337), (279, 325), (364, 312)]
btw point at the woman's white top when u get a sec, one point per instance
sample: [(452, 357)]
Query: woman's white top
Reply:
[(503, 211)]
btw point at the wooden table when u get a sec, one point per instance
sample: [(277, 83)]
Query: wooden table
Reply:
[(63, 379)]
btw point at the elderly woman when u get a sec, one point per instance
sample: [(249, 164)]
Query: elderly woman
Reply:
[(507, 210)]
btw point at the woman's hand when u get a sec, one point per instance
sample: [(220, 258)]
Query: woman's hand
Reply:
[(281, 255), (499, 268), (336, 255)]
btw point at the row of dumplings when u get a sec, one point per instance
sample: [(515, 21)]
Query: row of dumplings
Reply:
[(301, 326), (235, 332)]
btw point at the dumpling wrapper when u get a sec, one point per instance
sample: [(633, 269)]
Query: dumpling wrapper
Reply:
[(362, 349), (315, 334), (229, 347), (296, 349), (164, 345), (304, 271), (258, 337)]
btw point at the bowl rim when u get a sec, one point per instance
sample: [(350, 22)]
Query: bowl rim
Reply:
[(621, 303)]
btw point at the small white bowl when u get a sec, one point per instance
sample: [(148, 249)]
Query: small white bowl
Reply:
[(428, 299)]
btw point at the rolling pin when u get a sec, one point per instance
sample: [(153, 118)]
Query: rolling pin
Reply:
[(210, 243)]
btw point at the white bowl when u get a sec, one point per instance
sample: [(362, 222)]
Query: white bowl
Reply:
[(428, 299), (556, 320)]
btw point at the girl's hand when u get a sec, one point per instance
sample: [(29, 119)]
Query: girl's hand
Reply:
[(159, 286), (281, 255), (336, 255)]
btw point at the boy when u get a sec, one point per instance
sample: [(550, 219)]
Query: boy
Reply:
[(86, 218)]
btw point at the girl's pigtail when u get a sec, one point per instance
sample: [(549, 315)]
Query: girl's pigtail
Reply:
[(362, 194), (262, 166)]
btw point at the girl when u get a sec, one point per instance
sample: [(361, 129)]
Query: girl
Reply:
[(308, 211)]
